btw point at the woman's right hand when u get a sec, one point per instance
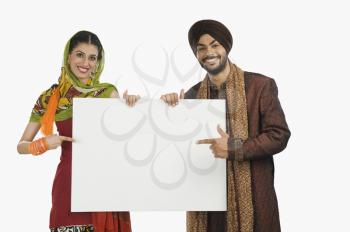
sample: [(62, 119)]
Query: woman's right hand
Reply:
[(55, 140)]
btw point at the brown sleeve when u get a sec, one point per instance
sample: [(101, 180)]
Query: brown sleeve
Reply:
[(274, 132)]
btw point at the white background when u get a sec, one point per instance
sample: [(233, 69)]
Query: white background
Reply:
[(303, 45)]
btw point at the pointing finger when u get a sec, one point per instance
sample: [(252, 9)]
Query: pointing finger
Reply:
[(64, 138), (206, 141)]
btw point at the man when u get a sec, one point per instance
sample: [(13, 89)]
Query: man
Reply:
[(256, 130)]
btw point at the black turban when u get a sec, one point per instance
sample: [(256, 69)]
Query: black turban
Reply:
[(215, 29)]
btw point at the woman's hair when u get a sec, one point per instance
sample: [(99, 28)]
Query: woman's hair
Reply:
[(86, 37)]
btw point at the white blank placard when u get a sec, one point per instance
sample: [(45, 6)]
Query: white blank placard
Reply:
[(146, 157)]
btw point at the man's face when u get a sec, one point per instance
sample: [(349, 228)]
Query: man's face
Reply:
[(211, 54)]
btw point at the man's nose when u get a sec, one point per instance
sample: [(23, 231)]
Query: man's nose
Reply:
[(210, 51)]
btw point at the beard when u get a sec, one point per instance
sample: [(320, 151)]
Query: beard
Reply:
[(215, 70)]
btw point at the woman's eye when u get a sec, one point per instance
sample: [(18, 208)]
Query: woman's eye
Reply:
[(80, 55), (93, 58)]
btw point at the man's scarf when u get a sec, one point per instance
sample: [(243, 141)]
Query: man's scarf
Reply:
[(240, 214)]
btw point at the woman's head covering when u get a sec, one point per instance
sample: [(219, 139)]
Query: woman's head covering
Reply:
[(72, 79), (69, 86), (215, 29)]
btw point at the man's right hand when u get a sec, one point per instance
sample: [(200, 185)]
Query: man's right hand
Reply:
[(172, 99)]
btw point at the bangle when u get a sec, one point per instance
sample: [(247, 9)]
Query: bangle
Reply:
[(38, 147)]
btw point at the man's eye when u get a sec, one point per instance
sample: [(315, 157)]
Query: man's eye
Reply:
[(215, 45), (200, 48)]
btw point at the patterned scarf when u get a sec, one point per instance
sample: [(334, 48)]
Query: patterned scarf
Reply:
[(239, 214)]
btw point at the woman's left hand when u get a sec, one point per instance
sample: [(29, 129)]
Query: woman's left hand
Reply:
[(130, 100)]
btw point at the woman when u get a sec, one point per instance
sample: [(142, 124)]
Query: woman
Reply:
[(82, 66)]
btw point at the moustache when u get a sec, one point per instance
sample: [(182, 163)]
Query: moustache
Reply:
[(209, 57)]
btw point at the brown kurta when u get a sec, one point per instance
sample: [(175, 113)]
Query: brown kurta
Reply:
[(268, 135)]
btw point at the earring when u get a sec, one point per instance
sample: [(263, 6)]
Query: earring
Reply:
[(92, 74), (95, 70)]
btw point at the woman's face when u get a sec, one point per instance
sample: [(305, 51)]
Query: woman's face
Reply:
[(82, 61)]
